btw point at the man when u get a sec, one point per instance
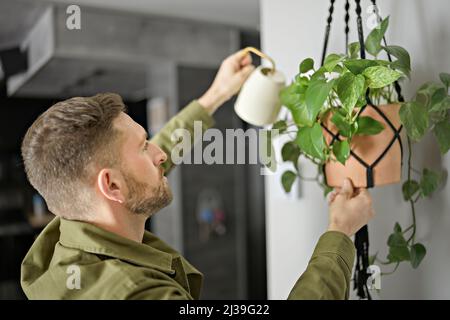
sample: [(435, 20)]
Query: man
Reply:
[(103, 179)]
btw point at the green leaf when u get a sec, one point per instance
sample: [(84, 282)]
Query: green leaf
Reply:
[(290, 152), (430, 182), (295, 102), (319, 74), (445, 78), (398, 254), (441, 131), (357, 66), (349, 89), (373, 40), (342, 124), (353, 49), (332, 60), (316, 95), (288, 179), (438, 116), (306, 65), (396, 239), (311, 141), (338, 69), (418, 252), (383, 63), (380, 76), (403, 62), (409, 189), (341, 150), (439, 101), (289, 95), (398, 247), (301, 115), (361, 102), (280, 125), (415, 119), (426, 92), (303, 82), (368, 126)]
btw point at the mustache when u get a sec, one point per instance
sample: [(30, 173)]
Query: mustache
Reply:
[(162, 171)]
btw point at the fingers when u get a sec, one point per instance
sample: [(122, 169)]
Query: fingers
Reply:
[(241, 54), (347, 188), (246, 71), (246, 60), (364, 196), (332, 195), (240, 59), (364, 199)]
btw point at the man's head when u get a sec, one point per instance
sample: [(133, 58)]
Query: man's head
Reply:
[(87, 151)]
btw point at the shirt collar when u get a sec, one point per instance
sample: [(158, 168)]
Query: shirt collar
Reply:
[(152, 252)]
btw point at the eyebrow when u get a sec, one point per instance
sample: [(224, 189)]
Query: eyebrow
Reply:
[(146, 137)]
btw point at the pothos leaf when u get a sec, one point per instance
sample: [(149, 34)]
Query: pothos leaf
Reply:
[(418, 252), (369, 126), (316, 94), (288, 179), (380, 76), (341, 150), (415, 119), (429, 182), (349, 89), (311, 141)]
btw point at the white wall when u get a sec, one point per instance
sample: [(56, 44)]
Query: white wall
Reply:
[(293, 30)]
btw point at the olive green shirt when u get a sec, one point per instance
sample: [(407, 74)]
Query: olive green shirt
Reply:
[(77, 260)]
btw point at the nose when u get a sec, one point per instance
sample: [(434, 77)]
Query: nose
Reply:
[(159, 155)]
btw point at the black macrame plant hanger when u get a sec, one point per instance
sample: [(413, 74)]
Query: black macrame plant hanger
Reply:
[(362, 236)]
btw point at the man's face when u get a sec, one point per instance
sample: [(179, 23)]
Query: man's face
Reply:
[(148, 189)]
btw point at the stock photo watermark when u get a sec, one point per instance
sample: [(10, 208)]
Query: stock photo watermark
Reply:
[(374, 18), (73, 281), (374, 280), (73, 21), (236, 146)]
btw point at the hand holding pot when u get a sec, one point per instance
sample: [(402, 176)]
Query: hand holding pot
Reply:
[(350, 209)]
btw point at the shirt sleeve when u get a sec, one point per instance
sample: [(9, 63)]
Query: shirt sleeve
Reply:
[(185, 119), (328, 274)]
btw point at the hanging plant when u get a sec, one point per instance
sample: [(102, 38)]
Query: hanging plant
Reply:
[(349, 107)]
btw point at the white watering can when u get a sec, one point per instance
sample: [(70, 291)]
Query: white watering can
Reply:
[(258, 102)]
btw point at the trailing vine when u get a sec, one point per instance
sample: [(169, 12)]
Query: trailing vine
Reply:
[(337, 90)]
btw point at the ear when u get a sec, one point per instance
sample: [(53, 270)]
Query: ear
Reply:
[(111, 185)]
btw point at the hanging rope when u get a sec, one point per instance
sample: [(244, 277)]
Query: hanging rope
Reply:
[(347, 29), (327, 30), (362, 236)]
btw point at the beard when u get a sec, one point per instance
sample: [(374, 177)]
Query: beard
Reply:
[(144, 199)]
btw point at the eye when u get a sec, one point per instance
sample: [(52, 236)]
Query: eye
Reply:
[(145, 146)]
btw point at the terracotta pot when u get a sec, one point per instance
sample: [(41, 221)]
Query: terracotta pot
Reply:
[(384, 171)]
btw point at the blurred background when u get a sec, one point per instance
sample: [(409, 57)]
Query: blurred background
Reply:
[(161, 54), (158, 55)]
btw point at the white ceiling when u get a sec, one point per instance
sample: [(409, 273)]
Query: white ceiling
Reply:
[(240, 13)]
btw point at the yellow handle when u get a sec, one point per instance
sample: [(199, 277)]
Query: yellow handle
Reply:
[(262, 55)]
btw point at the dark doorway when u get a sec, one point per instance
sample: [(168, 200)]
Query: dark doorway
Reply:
[(233, 260)]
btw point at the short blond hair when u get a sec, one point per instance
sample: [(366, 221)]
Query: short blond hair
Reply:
[(62, 146)]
